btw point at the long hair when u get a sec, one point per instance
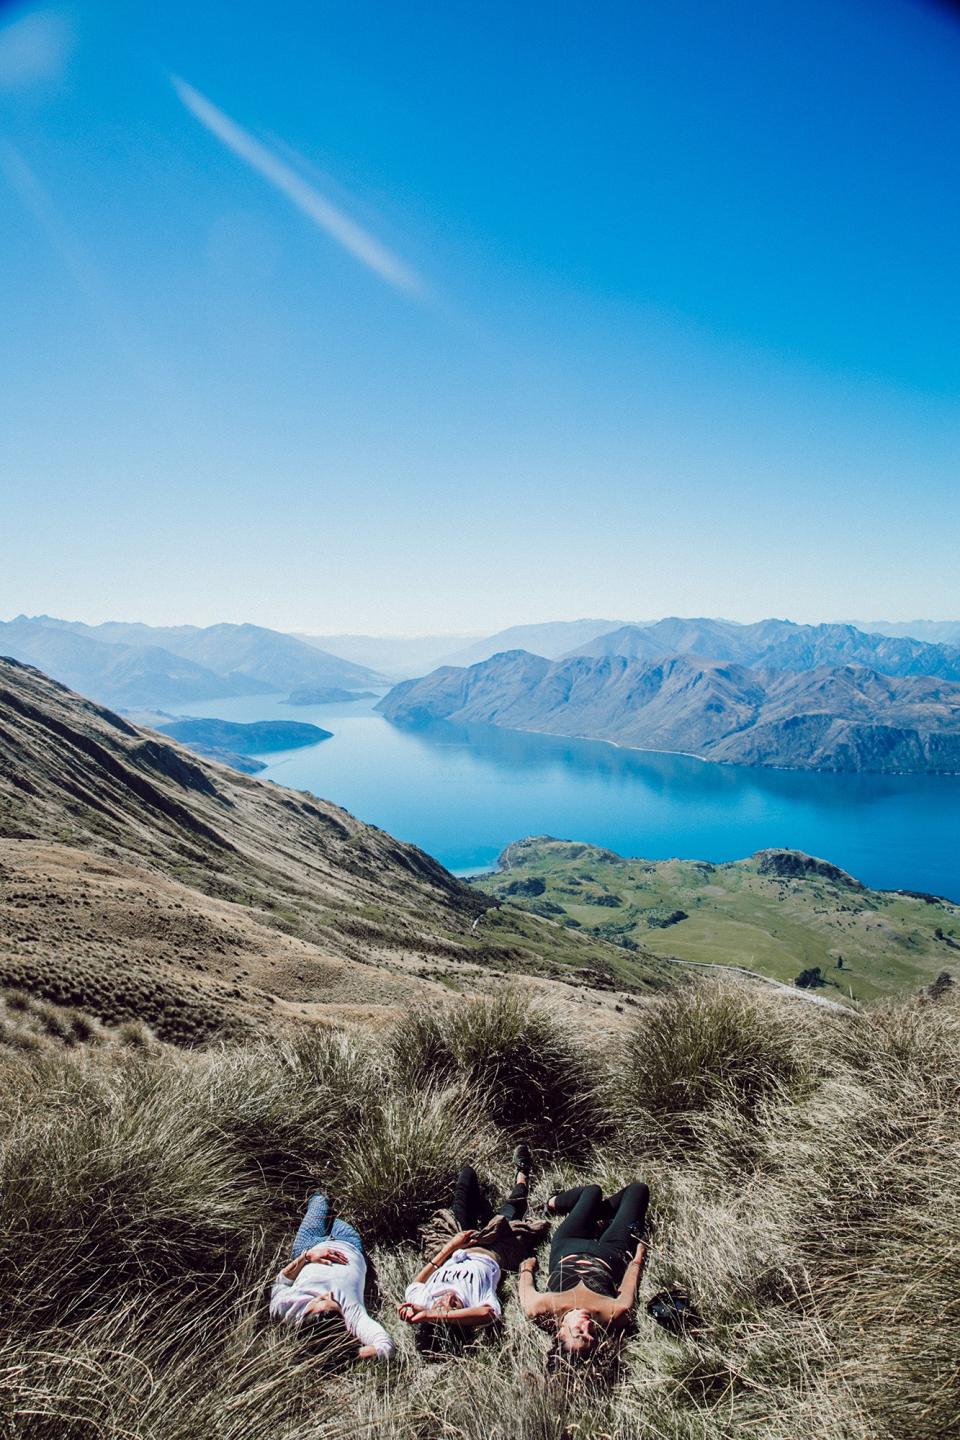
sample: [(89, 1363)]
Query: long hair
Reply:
[(329, 1340), (598, 1367), (436, 1340)]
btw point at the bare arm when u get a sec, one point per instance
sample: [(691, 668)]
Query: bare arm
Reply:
[(472, 1315), (531, 1300), (442, 1256), (329, 1253), (627, 1294)]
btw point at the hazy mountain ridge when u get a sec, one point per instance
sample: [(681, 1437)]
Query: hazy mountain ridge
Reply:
[(398, 656), (117, 673), (551, 639), (778, 645), (939, 632), (836, 718), (135, 665)]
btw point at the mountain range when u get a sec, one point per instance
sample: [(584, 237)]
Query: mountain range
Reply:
[(777, 645), (398, 656), (946, 632), (134, 665), (402, 656), (847, 717)]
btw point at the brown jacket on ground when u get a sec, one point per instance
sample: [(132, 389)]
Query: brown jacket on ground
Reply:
[(511, 1241)]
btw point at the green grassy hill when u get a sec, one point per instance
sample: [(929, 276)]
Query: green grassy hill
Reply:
[(777, 913)]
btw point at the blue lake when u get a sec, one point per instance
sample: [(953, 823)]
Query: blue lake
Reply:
[(464, 792)]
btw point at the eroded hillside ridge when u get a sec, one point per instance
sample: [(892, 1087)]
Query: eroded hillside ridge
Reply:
[(201, 876), (846, 718), (138, 880)]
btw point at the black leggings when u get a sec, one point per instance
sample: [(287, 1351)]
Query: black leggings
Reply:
[(608, 1229), (471, 1208)]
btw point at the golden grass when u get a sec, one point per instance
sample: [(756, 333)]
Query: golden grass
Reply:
[(804, 1177)]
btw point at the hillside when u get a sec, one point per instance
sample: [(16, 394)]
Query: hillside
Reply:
[(778, 645), (802, 1159), (777, 913), (803, 1166), (189, 662), (848, 718), (130, 868)]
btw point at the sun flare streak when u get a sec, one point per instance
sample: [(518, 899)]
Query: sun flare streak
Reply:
[(352, 237)]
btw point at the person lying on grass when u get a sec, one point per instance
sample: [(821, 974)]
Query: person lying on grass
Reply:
[(458, 1287), (324, 1281), (596, 1260)]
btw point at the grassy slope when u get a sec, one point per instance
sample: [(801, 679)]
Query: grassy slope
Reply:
[(739, 916), (803, 1166), (137, 880)]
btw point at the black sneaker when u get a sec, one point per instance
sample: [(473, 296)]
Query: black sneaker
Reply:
[(521, 1161)]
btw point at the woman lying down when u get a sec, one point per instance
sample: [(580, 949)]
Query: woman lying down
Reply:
[(456, 1291), (324, 1282)]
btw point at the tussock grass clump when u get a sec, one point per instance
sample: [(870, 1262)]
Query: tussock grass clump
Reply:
[(30, 1024), (107, 1180), (177, 1012), (804, 1169), (528, 1069), (711, 1047), (288, 1109), (406, 1157)]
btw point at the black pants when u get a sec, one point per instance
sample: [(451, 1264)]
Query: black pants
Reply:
[(470, 1206), (608, 1229)]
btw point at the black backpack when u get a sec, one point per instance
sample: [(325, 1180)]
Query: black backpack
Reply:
[(674, 1310)]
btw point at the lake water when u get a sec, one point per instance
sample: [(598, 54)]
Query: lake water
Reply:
[(464, 792)]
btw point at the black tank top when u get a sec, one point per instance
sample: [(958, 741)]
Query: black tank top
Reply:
[(587, 1270)]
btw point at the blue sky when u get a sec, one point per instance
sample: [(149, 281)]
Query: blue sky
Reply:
[(449, 316)]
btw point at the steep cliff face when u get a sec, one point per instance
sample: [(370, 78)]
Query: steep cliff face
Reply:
[(837, 718)]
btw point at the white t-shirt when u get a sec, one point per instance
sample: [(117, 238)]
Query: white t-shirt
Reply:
[(472, 1276), (290, 1298)]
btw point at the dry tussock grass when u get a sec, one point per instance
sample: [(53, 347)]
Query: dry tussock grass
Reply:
[(804, 1168)]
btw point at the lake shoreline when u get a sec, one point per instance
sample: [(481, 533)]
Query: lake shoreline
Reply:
[(463, 793)]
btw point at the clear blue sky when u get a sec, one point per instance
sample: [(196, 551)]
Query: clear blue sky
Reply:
[(405, 317)]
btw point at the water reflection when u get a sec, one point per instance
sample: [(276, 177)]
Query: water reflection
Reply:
[(463, 792), (525, 754)]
